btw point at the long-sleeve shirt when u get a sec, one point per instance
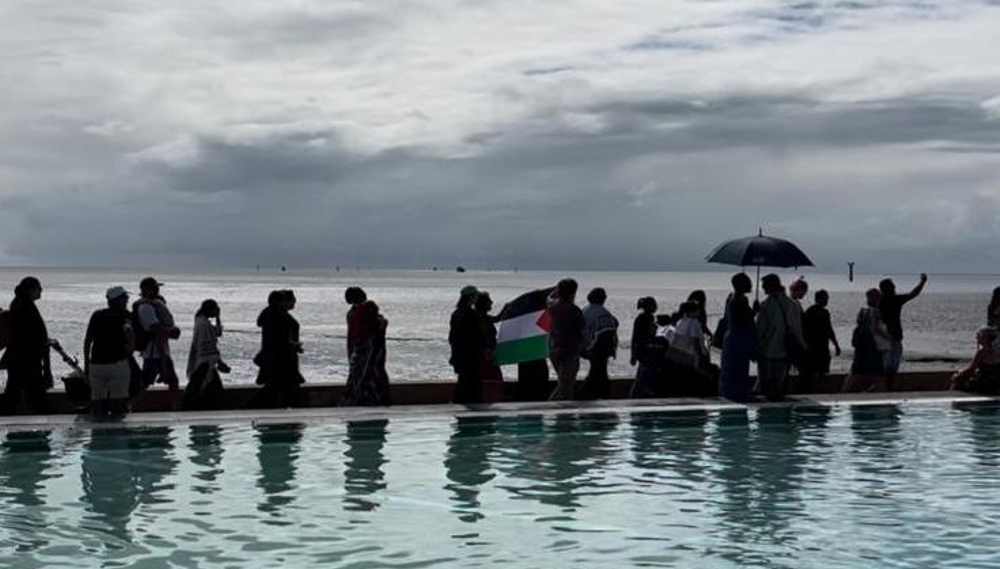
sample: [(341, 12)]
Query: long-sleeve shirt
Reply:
[(818, 329), (465, 336), (204, 345), (778, 322), (153, 314), (643, 332), (29, 339)]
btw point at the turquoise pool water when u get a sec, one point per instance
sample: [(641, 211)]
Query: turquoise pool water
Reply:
[(860, 487)]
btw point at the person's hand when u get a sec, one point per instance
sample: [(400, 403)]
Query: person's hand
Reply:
[(174, 333), (957, 382), (923, 277), (632, 361), (223, 367)]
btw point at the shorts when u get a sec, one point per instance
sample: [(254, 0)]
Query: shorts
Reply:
[(892, 358), (109, 381)]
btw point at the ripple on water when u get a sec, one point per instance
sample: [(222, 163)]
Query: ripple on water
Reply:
[(904, 485)]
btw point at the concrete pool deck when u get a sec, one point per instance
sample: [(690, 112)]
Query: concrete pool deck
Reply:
[(417, 412)]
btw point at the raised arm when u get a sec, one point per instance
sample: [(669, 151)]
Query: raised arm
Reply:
[(917, 289)]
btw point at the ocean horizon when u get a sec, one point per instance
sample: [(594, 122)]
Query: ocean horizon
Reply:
[(939, 326)]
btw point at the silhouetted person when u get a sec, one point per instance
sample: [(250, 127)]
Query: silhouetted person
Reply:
[(565, 339), (643, 333), (993, 310), (107, 348), (601, 345), (870, 341), (465, 336), (891, 308), (204, 388), (278, 358), (154, 328), (738, 343), (29, 369), (779, 337), (490, 376), (797, 291), (699, 297), (982, 375), (688, 355), (817, 328), (367, 381)]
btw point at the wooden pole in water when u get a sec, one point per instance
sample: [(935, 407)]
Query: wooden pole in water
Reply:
[(850, 272)]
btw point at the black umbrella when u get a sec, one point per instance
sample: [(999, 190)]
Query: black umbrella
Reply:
[(759, 251)]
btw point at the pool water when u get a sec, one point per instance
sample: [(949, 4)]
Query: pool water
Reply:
[(912, 485)]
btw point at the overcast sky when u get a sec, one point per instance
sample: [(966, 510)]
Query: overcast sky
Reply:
[(573, 134)]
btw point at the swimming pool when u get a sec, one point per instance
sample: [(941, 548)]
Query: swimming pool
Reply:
[(910, 485)]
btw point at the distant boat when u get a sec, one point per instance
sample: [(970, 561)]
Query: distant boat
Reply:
[(460, 269)]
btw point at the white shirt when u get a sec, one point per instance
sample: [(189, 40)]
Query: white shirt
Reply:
[(689, 327), (152, 313), (204, 345)]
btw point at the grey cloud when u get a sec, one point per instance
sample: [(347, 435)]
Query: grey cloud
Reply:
[(296, 30), (564, 199), (649, 181)]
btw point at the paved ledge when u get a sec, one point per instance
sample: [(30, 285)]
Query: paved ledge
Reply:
[(422, 393), (406, 413)]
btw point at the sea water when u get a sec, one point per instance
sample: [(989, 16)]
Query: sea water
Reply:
[(940, 325)]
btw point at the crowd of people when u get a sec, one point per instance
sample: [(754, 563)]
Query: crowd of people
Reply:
[(671, 351), (115, 334)]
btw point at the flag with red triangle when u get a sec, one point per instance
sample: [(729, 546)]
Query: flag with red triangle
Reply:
[(523, 332)]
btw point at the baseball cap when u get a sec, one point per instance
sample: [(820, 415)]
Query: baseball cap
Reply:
[(115, 291), (149, 283)]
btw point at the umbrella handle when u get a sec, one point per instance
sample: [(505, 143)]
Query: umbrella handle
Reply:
[(757, 298)]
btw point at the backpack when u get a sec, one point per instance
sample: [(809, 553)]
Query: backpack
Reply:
[(140, 336), (5, 328)]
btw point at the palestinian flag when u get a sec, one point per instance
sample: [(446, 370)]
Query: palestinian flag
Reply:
[(523, 333)]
